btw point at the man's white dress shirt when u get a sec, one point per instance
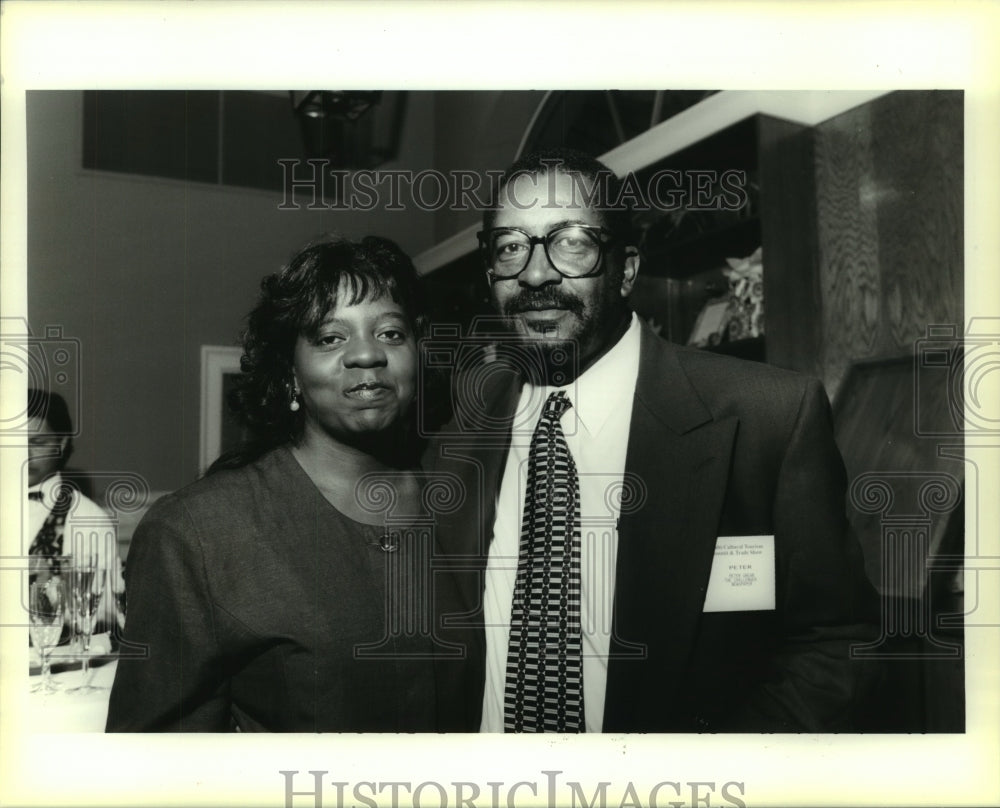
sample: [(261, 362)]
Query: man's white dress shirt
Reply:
[(596, 428), (94, 531)]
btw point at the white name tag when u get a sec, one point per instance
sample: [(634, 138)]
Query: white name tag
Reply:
[(742, 578)]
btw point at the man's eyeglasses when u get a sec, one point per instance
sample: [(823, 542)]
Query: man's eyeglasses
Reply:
[(574, 251)]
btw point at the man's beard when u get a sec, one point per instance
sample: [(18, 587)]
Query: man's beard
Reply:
[(543, 358)]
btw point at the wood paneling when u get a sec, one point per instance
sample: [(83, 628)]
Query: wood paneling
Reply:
[(917, 143), (788, 216), (848, 242), (889, 212)]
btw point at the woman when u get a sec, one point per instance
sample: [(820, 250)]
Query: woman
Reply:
[(264, 591)]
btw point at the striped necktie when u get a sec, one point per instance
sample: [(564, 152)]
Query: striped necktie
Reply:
[(544, 686)]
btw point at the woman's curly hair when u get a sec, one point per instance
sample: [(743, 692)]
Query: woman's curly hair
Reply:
[(294, 302)]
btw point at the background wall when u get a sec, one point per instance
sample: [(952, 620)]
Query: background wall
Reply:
[(477, 131)]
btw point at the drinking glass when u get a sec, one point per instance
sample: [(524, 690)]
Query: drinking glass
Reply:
[(46, 610), (87, 588), (117, 585)]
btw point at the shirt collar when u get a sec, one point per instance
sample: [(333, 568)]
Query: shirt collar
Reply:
[(47, 487), (606, 386)]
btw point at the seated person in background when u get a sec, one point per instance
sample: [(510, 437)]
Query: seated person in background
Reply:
[(254, 587), (56, 504)]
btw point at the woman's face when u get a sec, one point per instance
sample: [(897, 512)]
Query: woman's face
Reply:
[(358, 373)]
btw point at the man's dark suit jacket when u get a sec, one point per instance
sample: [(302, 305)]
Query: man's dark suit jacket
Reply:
[(724, 448)]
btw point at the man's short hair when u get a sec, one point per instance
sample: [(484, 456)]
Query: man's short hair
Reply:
[(616, 214), (51, 407)]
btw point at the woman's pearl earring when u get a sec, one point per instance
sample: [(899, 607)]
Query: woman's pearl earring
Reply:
[(294, 403)]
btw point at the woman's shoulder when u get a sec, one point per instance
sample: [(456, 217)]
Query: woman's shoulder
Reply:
[(225, 494)]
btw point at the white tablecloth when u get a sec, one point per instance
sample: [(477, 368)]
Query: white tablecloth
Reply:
[(72, 712)]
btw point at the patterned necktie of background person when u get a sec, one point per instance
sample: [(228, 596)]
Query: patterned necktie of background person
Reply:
[(48, 542), (544, 686)]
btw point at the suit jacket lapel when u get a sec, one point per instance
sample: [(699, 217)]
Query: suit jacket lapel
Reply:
[(477, 453), (680, 456), (473, 447)]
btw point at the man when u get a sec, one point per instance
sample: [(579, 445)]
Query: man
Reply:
[(57, 511), (664, 523)]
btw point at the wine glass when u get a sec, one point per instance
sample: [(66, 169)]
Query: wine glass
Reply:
[(117, 585), (87, 588), (46, 610)]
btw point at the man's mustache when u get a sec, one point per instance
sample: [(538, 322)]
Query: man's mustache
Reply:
[(545, 298)]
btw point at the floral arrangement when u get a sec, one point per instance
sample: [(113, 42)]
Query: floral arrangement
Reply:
[(746, 296)]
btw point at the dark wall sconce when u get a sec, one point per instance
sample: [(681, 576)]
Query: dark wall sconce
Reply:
[(351, 128)]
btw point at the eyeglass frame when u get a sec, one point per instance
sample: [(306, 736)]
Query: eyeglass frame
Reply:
[(608, 239)]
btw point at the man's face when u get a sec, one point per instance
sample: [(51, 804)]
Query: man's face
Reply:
[(45, 450), (540, 302)]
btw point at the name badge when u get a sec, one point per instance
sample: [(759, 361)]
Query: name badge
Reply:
[(742, 578)]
